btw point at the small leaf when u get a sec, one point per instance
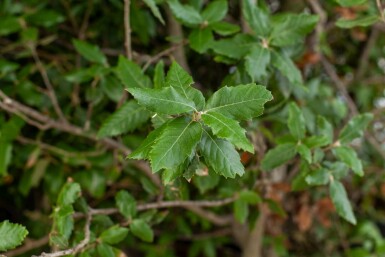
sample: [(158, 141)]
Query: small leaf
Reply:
[(68, 194), (288, 69), (348, 3), (113, 235), (325, 130), (242, 102), (175, 144), (5, 156), (241, 210), (318, 177), (112, 87), (131, 74), (11, 235), (348, 156), (229, 129), (358, 22), (126, 204), (127, 118), (142, 230), (305, 152), (341, 201), (250, 197), (159, 79), (278, 156), (224, 28), (221, 156), (215, 11), (178, 78), (166, 100), (236, 47), (90, 52), (296, 122), (355, 128), (154, 9), (200, 39), (256, 62), (104, 250), (257, 18), (188, 15), (9, 25)]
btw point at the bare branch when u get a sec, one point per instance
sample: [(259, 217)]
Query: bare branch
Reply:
[(28, 246), (127, 29)]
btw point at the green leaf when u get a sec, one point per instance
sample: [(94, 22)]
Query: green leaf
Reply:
[(188, 15), (127, 118), (221, 156), (278, 156), (318, 177), (256, 62), (5, 156), (229, 129), (90, 52), (126, 204), (355, 128), (175, 144), (112, 87), (104, 250), (200, 39), (242, 102), (236, 47), (9, 25), (159, 79), (11, 235), (10, 130), (166, 100), (241, 210), (305, 152), (257, 18), (290, 29), (113, 235), (178, 78), (349, 3), (224, 28), (358, 22), (142, 230), (142, 152), (154, 9), (215, 11), (296, 122), (45, 17), (325, 130), (131, 74), (348, 156), (341, 201), (68, 194), (250, 197), (288, 69)]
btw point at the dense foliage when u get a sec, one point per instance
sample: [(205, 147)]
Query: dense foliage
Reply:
[(192, 128)]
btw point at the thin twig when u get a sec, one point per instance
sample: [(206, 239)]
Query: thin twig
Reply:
[(78, 247), (364, 58), (28, 246), (381, 10), (127, 29)]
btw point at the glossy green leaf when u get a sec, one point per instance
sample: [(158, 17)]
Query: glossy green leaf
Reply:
[(228, 129), (126, 204), (188, 15), (257, 61), (178, 78), (68, 194), (154, 9), (131, 74), (127, 118), (11, 235), (257, 18), (113, 235), (325, 130), (348, 156), (175, 144), (142, 230), (278, 156), (355, 128), (221, 156), (200, 39), (358, 22), (224, 28), (341, 201), (104, 250), (166, 100), (304, 152), (242, 102), (349, 3), (90, 52), (159, 76), (296, 122), (288, 69), (215, 11), (319, 177)]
